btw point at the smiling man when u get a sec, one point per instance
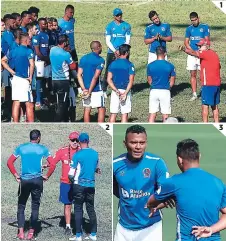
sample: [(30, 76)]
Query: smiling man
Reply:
[(137, 174)]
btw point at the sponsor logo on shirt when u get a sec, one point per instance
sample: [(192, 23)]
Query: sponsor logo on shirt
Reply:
[(122, 173), (163, 29), (134, 193), (147, 172), (44, 45), (69, 31), (201, 30), (195, 38)]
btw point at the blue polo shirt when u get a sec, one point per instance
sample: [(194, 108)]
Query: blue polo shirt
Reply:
[(20, 57), (31, 155), (137, 181), (90, 63), (152, 30), (118, 33), (121, 70), (7, 41), (67, 27), (160, 72), (41, 40), (85, 162), (60, 61), (195, 34), (11, 61), (199, 197)]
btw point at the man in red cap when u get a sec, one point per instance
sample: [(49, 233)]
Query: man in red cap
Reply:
[(64, 155), (210, 77)]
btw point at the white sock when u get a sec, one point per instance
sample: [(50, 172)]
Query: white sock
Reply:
[(194, 94), (68, 226)]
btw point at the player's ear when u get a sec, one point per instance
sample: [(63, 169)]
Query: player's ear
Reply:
[(124, 143)]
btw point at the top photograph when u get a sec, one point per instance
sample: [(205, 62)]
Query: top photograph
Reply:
[(113, 61)]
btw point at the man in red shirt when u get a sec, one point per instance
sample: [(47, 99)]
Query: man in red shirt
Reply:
[(210, 78), (64, 155)]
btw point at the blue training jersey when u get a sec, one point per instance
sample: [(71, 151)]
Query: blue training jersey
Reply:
[(24, 29), (31, 155), (118, 33), (137, 181), (7, 41), (20, 57), (67, 27), (41, 40), (152, 30), (11, 61), (90, 63), (195, 34), (85, 162), (199, 197), (121, 70), (160, 72), (60, 61)]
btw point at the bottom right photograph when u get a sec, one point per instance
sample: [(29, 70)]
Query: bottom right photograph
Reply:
[(169, 182)]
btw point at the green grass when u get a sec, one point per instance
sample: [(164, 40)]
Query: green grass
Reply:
[(93, 18), (162, 140), (51, 210)]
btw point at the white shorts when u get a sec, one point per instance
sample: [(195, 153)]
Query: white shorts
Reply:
[(72, 97), (116, 106), (21, 89), (160, 98), (96, 100), (152, 233), (152, 57), (193, 63)]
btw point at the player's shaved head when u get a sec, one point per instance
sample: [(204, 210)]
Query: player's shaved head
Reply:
[(160, 50), (94, 45), (24, 37), (188, 149), (135, 129)]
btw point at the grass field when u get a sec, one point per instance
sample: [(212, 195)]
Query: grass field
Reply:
[(92, 19), (51, 210), (162, 140)]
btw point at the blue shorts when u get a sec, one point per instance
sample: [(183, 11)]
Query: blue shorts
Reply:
[(210, 95), (66, 193)]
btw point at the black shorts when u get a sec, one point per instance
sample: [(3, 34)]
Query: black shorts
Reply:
[(74, 55)]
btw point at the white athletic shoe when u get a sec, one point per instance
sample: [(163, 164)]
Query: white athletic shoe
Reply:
[(94, 238), (76, 238), (194, 97)]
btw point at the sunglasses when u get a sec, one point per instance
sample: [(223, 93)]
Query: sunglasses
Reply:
[(74, 140), (118, 15)]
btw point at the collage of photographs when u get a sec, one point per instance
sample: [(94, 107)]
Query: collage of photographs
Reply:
[(113, 120)]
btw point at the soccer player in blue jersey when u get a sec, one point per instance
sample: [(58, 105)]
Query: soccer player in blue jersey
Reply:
[(137, 174), (84, 165), (30, 179), (156, 34), (161, 77), (194, 33), (17, 18), (89, 72), (34, 14), (117, 32), (61, 62), (25, 20), (23, 59), (199, 195), (41, 46), (121, 74)]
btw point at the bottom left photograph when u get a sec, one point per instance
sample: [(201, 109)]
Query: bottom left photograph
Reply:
[(56, 182)]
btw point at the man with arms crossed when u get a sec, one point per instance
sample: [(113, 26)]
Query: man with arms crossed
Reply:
[(118, 32), (85, 163), (23, 59), (156, 34), (121, 74), (30, 179), (137, 175), (161, 77), (199, 195), (89, 72), (194, 33), (210, 78)]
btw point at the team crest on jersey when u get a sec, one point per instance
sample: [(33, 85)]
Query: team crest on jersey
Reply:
[(147, 172), (201, 30), (163, 29), (122, 173)]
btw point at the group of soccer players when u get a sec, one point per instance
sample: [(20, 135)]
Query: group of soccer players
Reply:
[(77, 183), (48, 37), (142, 181)]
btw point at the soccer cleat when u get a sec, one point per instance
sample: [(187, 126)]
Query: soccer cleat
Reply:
[(68, 231), (194, 97), (20, 236), (76, 238)]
